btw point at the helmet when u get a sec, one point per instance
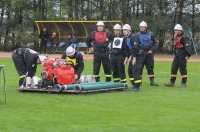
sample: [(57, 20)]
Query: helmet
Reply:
[(70, 51), (143, 24), (117, 26), (42, 58), (54, 32), (127, 26), (100, 23), (178, 27)]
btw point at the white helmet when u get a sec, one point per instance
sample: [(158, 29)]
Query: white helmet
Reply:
[(178, 27), (117, 26), (42, 58), (70, 51), (143, 24), (127, 26), (100, 23), (54, 32)]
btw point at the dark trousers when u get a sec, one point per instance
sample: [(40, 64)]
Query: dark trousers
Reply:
[(43, 45), (118, 68), (102, 57), (54, 48), (20, 66), (180, 63), (136, 69), (130, 72), (148, 62)]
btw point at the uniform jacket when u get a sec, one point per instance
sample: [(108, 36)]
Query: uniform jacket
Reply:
[(76, 61)]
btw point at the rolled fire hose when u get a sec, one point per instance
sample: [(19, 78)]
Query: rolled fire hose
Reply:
[(80, 87), (59, 87)]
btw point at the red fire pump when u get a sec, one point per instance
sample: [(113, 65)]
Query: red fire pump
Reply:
[(57, 72)]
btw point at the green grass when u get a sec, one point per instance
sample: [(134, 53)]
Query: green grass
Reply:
[(153, 109)]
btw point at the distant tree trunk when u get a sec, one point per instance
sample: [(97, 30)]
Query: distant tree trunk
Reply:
[(101, 9), (1, 24), (181, 2), (193, 13), (137, 12)]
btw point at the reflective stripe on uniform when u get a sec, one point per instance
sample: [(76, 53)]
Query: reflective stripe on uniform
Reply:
[(184, 76), (138, 81), (123, 80), (22, 76), (131, 79), (173, 75), (116, 79), (108, 75), (95, 75), (151, 75)]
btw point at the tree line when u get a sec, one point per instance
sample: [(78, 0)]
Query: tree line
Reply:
[(17, 17)]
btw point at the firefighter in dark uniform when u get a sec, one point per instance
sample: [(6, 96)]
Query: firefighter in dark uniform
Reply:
[(118, 55), (100, 40), (148, 46), (26, 61), (75, 59), (182, 52), (44, 36), (129, 47)]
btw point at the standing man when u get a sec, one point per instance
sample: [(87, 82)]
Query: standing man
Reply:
[(26, 61), (129, 47), (182, 52), (147, 45), (118, 55), (75, 59), (44, 36), (101, 39), (54, 45)]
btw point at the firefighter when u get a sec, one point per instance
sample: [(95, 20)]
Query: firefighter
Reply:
[(182, 52), (148, 46), (100, 40), (118, 55), (129, 47), (75, 59), (44, 36), (26, 61)]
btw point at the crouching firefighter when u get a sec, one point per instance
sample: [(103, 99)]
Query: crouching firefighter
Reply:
[(147, 47), (182, 52), (75, 59), (25, 61), (118, 55), (100, 40)]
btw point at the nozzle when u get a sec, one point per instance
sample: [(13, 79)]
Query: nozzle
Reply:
[(59, 87)]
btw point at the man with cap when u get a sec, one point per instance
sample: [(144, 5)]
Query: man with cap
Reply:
[(75, 59), (101, 39), (182, 52), (118, 55), (25, 61)]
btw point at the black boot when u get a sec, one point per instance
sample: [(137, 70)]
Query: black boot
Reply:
[(97, 79), (152, 83), (169, 84)]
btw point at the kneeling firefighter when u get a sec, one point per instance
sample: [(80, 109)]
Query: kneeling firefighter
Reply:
[(25, 61), (75, 59)]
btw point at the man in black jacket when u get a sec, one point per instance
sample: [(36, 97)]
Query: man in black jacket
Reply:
[(75, 59), (44, 36), (182, 52), (100, 40), (147, 47), (26, 61), (118, 55)]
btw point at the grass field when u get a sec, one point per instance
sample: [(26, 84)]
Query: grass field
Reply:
[(153, 109)]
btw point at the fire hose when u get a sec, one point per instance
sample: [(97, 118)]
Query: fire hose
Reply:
[(90, 86)]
